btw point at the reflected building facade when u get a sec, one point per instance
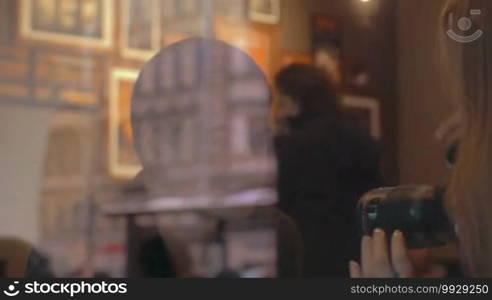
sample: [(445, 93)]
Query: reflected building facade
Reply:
[(200, 111)]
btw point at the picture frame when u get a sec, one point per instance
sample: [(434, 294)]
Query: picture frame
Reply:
[(327, 51), (365, 112), (123, 160), (140, 28), (87, 23), (265, 11)]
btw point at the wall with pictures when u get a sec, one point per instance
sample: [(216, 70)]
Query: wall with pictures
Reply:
[(78, 60), (81, 57), (369, 50), (367, 53), (404, 78)]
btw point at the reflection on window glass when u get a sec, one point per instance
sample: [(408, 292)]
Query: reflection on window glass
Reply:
[(145, 138)]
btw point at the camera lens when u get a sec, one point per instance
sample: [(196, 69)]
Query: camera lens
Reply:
[(452, 155), (415, 210)]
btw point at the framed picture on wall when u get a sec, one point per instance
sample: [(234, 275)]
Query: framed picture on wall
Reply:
[(140, 32), (327, 46), (365, 112), (264, 11), (87, 23), (123, 161)]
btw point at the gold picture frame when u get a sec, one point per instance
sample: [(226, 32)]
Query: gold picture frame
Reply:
[(152, 32), (123, 161), (58, 24), (367, 108), (264, 11)]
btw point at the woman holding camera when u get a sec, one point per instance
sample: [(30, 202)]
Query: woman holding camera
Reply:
[(469, 197)]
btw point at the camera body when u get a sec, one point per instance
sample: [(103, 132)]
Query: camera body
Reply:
[(416, 210)]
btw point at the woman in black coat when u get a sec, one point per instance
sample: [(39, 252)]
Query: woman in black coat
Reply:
[(325, 163)]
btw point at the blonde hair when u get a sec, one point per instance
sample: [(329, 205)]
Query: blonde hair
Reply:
[(469, 199)]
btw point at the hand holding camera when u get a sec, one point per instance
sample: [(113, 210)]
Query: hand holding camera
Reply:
[(398, 224)]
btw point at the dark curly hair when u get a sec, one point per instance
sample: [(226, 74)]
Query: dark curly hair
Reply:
[(310, 87)]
